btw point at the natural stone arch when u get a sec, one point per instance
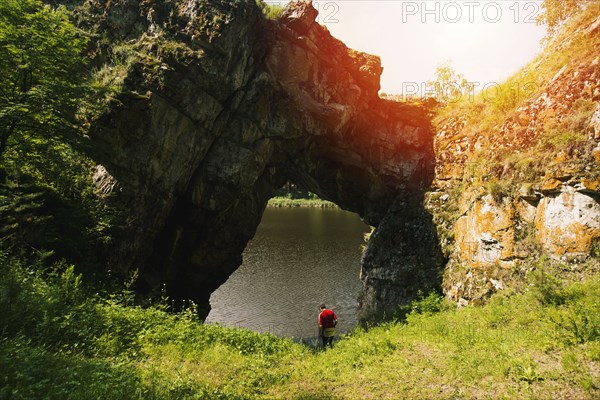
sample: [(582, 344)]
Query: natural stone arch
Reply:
[(213, 117)]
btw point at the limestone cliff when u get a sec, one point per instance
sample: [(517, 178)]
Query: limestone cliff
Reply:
[(525, 183), (213, 107)]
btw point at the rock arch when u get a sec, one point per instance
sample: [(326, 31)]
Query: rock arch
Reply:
[(219, 107)]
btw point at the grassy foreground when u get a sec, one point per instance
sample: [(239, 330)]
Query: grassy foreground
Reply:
[(59, 340)]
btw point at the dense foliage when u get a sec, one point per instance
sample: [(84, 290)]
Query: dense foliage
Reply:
[(556, 12), (62, 338), (47, 202), (41, 64)]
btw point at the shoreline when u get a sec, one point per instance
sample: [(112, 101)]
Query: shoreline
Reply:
[(281, 202)]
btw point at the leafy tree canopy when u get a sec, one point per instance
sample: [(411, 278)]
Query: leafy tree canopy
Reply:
[(449, 85), (40, 73), (555, 12)]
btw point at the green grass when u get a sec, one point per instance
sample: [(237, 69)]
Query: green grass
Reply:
[(62, 338), (313, 202)]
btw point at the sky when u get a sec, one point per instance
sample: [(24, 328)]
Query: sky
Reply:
[(486, 41)]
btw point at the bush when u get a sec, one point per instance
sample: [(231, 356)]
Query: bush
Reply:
[(47, 305), (577, 321), (497, 190), (271, 11), (556, 12), (423, 305), (546, 288)]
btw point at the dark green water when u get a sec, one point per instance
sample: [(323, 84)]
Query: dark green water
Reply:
[(299, 258)]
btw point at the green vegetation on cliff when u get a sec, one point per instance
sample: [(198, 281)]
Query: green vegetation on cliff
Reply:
[(310, 202), (536, 122), (271, 9), (303, 203), (518, 169)]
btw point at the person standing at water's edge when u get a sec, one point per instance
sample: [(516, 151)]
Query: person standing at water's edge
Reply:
[(327, 322)]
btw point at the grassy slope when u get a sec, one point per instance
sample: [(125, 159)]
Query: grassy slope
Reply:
[(59, 340), (511, 164)]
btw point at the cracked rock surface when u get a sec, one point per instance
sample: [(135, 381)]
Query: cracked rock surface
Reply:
[(217, 107)]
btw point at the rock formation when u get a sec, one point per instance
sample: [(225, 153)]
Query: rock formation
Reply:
[(215, 107), (211, 107), (498, 219)]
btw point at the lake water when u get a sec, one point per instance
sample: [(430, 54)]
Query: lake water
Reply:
[(299, 258)]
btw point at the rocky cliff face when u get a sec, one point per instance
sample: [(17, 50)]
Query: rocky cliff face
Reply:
[(530, 185), (214, 107)]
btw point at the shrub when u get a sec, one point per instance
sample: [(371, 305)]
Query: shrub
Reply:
[(577, 321), (424, 304), (556, 12), (546, 288), (497, 190), (270, 9)]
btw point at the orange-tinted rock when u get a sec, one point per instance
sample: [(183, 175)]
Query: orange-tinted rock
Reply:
[(529, 191), (558, 213), (552, 185), (526, 210), (567, 224), (590, 185), (594, 125), (485, 235), (596, 155)]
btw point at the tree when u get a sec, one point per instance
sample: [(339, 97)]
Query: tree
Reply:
[(555, 12), (448, 84), (41, 67)]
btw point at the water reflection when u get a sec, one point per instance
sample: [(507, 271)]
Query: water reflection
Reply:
[(299, 258)]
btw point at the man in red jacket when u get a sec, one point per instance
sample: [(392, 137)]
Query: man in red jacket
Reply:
[(327, 323)]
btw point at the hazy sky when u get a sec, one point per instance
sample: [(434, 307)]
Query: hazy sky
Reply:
[(487, 41)]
